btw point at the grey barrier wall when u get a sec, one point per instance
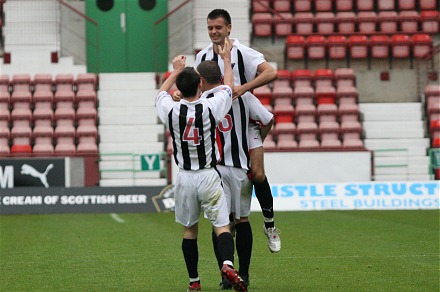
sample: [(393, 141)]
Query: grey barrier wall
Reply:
[(40, 200)]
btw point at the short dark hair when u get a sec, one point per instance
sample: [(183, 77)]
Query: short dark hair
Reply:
[(210, 71), (188, 81), (216, 13)]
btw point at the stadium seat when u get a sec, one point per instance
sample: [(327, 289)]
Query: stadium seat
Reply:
[(329, 130), (323, 5), (260, 6), (337, 47), (87, 140), (43, 117), (430, 21), (285, 131), (325, 22), (304, 95), (21, 99), (87, 81), (323, 77), (353, 144), (295, 47), (5, 117), (309, 145), (21, 141), (305, 113), (302, 5), (287, 145), (331, 144), (433, 111), (301, 78), (365, 5), (407, 4), (283, 78), (351, 130), (421, 44), (428, 4), (327, 113), (42, 82), (348, 112), (409, 21), (4, 141), (86, 116), (282, 23), (316, 47), (43, 99), (387, 21), (43, 141), (400, 46), (281, 5), (65, 141), (367, 22), (307, 131), (86, 98), (269, 145), (304, 22), (21, 82), (386, 5), (432, 93), (434, 127), (5, 100), (262, 24), (64, 99), (344, 77), (344, 5), (282, 95), (4, 83), (264, 94), (284, 113), (358, 45), (325, 95), (21, 117), (64, 117), (347, 95), (380, 46), (345, 22), (64, 82)]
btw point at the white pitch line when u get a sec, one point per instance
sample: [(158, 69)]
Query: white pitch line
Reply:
[(117, 218)]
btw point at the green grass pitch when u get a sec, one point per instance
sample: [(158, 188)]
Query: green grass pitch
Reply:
[(321, 251)]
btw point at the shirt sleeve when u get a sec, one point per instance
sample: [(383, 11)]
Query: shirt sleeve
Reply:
[(252, 59), (164, 104), (257, 111), (221, 103)]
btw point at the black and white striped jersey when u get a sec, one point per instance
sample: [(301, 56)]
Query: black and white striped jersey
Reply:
[(193, 125), (240, 55), (233, 134)]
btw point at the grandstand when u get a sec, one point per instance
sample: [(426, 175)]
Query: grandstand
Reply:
[(354, 77)]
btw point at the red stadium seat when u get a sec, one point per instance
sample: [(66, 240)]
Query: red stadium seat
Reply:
[(386, 5), (5, 117), (281, 5), (282, 95), (302, 5), (327, 113), (345, 22), (380, 46), (409, 21), (358, 45), (400, 45), (87, 140), (64, 99), (65, 141), (21, 117), (42, 82), (344, 77), (351, 130), (428, 4), (344, 5), (86, 81), (301, 77), (323, 77), (86, 98), (430, 21), (287, 145), (43, 141), (337, 47), (21, 99), (387, 21), (282, 23), (422, 44), (21, 82), (331, 144), (307, 131), (64, 82), (284, 113), (367, 22), (295, 47), (305, 113), (348, 112), (365, 5), (407, 4), (21, 140), (43, 99), (304, 95), (353, 144), (4, 141), (303, 22), (5, 100), (43, 117), (325, 95), (325, 22), (323, 5), (262, 24), (264, 94), (285, 131), (86, 116), (316, 47), (269, 145), (309, 145), (261, 5), (347, 95), (329, 130), (4, 83), (64, 117)]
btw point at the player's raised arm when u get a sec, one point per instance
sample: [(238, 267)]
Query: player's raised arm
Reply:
[(225, 54), (178, 65)]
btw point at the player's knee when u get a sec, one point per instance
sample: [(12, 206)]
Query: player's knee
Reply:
[(258, 176)]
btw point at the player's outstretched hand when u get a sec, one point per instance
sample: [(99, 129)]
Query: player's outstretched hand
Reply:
[(225, 52), (179, 62)]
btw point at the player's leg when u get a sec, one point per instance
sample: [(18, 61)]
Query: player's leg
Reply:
[(191, 256), (264, 196), (243, 244)]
